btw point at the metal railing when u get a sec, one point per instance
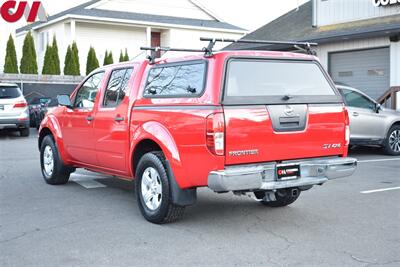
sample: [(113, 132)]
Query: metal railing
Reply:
[(390, 98)]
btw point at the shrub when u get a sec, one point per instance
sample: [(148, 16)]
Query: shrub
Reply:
[(55, 57), (28, 60), (10, 62), (92, 62), (108, 58), (75, 54)]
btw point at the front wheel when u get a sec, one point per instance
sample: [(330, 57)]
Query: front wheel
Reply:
[(53, 169), (283, 197), (392, 142), (153, 190)]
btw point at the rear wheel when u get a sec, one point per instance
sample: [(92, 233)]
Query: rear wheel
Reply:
[(392, 142), (283, 197), (153, 190), (53, 169), (24, 132)]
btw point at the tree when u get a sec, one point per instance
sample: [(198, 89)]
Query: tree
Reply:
[(108, 58), (126, 57), (55, 57), (48, 63), (70, 65), (11, 64), (92, 63), (75, 54), (121, 57), (28, 60)]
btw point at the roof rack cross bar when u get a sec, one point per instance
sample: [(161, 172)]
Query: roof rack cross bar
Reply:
[(257, 41)]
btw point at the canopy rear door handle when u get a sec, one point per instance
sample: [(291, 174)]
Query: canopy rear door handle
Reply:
[(119, 119)]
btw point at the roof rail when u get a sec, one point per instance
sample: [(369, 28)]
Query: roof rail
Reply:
[(304, 46), (208, 51), (153, 50)]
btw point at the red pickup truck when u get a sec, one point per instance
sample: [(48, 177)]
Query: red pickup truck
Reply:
[(271, 124)]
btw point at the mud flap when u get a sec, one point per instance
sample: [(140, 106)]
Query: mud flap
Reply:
[(180, 197)]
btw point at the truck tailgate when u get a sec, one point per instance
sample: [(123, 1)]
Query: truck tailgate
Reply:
[(265, 133)]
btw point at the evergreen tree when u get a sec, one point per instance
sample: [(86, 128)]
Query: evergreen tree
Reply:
[(11, 64), (75, 54), (110, 58), (126, 57), (28, 60), (105, 58), (121, 57), (48, 63), (55, 57), (92, 62)]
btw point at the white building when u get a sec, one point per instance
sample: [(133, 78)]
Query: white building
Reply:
[(358, 39), (116, 25)]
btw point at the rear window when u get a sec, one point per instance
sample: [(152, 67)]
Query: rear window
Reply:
[(273, 81), (185, 79), (8, 92)]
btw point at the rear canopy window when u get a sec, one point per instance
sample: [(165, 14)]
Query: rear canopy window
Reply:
[(8, 92), (176, 80), (277, 81)]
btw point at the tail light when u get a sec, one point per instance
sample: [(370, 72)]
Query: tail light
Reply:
[(347, 127), (215, 134), (21, 104)]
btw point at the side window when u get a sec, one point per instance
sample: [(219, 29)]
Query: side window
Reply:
[(176, 80), (87, 93), (116, 88), (354, 99)]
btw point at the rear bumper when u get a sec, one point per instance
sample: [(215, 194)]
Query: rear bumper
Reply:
[(14, 123), (263, 176)]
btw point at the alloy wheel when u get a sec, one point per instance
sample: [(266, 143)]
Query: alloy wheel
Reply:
[(48, 160), (151, 188), (394, 141)]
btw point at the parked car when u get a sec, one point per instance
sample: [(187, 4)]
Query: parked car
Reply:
[(34, 106), (14, 114), (271, 124), (370, 123), (46, 105)]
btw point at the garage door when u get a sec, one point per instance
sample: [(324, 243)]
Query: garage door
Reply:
[(367, 70)]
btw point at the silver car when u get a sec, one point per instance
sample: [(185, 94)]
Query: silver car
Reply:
[(14, 112), (370, 123)]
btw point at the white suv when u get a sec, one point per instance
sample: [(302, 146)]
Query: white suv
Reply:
[(14, 111)]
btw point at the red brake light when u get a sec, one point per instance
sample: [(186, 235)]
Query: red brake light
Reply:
[(20, 104), (215, 134), (347, 126)]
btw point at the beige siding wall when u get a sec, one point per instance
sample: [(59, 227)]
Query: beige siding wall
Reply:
[(338, 11)]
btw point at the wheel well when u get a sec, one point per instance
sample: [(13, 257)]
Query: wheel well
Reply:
[(142, 148), (397, 123), (43, 133)]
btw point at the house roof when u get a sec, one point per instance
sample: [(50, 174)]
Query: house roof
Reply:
[(82, 10), (296, 25)]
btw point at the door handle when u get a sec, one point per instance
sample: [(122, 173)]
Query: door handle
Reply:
[(89, 118), (118, 119), (356, 114)]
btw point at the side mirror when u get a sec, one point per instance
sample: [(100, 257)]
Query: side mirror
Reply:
[(378, 107), (64, 100)]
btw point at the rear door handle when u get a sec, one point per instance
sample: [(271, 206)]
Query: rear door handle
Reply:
[(356, 114), (89, 118), (118, 118)]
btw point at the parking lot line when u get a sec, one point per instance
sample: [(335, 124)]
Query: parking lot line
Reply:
[(380, 190), (378, 160)]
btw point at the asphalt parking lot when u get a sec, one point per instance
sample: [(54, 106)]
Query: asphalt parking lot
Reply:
[(94, 221)]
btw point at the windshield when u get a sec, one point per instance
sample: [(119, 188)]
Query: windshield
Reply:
[(278, 80), (7, 92)]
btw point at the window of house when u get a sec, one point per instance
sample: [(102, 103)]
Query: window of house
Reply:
[(176, 80), (86, 95), (117, 87)]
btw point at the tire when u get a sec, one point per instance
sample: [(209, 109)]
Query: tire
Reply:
[(54, 173), (153, 190), (283, 197), (392, 141), (24, 132)]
